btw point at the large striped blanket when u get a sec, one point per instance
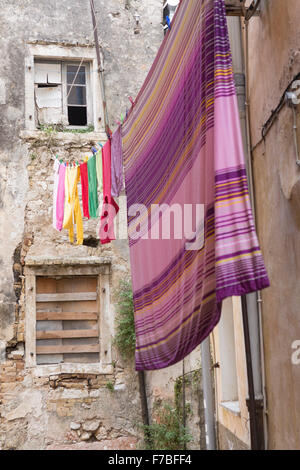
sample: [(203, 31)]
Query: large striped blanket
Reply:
[(183, 157)]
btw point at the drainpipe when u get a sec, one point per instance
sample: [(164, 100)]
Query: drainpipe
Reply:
[(100, 66), (251, 304), (144, 403), (207, 385)]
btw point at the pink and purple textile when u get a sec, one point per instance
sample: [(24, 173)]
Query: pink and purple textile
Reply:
[(182, 146), (116, 163)]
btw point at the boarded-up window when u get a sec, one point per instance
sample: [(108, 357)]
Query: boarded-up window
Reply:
[(67, 320)]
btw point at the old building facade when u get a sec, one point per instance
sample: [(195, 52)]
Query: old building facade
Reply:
[(63, 382), (64, 391), (60, 399)]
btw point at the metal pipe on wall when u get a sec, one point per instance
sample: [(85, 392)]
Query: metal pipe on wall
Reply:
[(250, 305), (208, 395)]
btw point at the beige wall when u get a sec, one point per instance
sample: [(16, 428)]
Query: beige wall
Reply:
[(232, 425), (274, 59)]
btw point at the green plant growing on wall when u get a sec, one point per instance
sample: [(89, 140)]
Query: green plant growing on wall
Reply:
[(48, 129), (125, 331), (110, 386), (166, 432), (83, 130)]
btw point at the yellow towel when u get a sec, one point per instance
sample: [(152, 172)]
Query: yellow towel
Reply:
[(72, 213)]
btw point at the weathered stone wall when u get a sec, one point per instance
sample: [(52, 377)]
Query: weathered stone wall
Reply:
[(165, 387), (55, 411), (128, 54)]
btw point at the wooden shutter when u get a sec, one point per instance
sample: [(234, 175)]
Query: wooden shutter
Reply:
[(67, 320)]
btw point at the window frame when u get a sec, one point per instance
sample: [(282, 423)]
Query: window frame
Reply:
[(102, 271), (228, 363), (64, 54)]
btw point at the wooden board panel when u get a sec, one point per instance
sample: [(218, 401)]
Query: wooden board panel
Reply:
[(71, 304), (67, 334), (67, 316), (75, 284), (71, 297), (78, 348), (52, 325)]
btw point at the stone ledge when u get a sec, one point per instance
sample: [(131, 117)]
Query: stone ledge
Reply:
[(68, 368), (64, 138), (67, 261)]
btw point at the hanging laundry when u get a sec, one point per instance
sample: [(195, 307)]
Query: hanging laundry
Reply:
[(84, 189), (110, 208), (93, 194), (182, 145), (99, 171), (55, 186), (72, 207), (116, 163), (60, 200)]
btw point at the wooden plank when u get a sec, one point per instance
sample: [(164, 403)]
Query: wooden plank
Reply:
[(49, 334), (78, 348), (67, 297), (67, 315), (30, 321), (106, 333)]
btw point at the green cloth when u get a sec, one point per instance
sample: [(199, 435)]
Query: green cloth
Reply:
[(93, 194), (99, 170)]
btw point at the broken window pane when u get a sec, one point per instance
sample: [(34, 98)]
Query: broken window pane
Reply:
[(48, 97), (47, 73)]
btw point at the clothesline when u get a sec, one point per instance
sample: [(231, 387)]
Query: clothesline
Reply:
[(78, 162), (100, 173)]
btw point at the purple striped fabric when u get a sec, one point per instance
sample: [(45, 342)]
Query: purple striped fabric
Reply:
[(182, 148), (116, 163)]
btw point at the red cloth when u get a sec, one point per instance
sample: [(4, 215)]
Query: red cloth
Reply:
[(85, 189), (110, 207)]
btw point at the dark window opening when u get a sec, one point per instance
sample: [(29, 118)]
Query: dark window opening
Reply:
[(47, 85), (77, 116)]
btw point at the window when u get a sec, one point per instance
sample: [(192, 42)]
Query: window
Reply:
[(49, 74), (77, 95), (228, 366), (68, 320), (63, 93)]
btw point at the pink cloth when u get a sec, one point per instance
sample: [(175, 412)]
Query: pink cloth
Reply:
[(55, 184), (110, 208), (60, 200)]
